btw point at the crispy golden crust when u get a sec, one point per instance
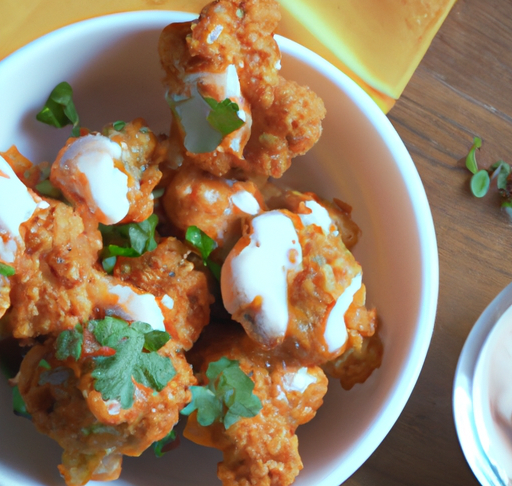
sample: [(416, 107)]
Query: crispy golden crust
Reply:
[(287, 128), (53, 288), (166, 271), (261, 450), (93, 434), (364, 353), (141, 155), (286, 118), (294, 201), (197, 198)]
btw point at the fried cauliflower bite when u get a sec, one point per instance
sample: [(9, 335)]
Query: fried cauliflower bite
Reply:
[(230, 52), (214, 204), (111, 175), (182, 290), (291, 282), (363, 352), (95, 433), (261, 450), (54, 286)]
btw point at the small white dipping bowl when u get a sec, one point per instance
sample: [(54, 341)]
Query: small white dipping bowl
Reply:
[(112, 64), (482, 394)]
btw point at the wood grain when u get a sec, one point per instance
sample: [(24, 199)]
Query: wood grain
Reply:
[(462, 88)]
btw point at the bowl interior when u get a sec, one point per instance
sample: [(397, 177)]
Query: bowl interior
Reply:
[(113, 67)]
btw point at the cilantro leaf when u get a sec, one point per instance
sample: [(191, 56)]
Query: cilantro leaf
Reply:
[(471, 163), (44, 364), (6, 270), (128, 240), (226, 398), (69, 344), (159, 447), (202, 242), (114, 374), (209, 407), (59, 109), (154, 340), (18, 404), (109, 263), (118, 125), (46, 188), (224, 116)]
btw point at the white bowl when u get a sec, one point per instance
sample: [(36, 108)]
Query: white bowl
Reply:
[(113, 66)]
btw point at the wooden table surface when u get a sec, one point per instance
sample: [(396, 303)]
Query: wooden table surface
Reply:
[(462, 88)]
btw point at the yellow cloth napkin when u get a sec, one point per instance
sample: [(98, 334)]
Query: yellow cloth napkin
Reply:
[(379, 43)]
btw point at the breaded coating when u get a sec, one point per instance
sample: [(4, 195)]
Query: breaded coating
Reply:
[(289, 127), (127, 156), (95, 434), (54, 284), (360, 360), (141, 156), (292, 284), (262, 450), (167, 274), (214, 204), (230, 52), (295, 201)]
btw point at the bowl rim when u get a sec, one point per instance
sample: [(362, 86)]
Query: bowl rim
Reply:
[(463, 389), (407, 380), (402, 388)]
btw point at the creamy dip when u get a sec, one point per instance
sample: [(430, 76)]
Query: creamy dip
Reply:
[(492, 397)]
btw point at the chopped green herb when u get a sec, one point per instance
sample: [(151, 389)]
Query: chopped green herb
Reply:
[(480, 183), (118, 125), (108, 263), (114, 374), (144, 130), (159, 447), (46, 188), (18, 404), (154, 340), (59, 109), (44, 364), (129, 240), (202, 242), (6, 270), (224, 116), (69, 344), (471, 163), (226, 398)]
